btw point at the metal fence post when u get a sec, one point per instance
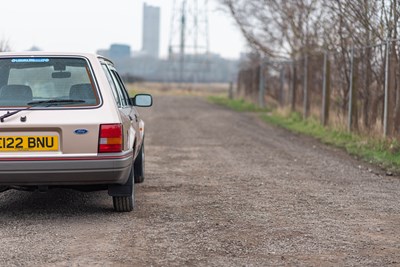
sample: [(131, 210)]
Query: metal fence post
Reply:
[(282, 75), (261, 89), (386, 104), (230, 92), (292, 87), (325, 94), (350, 113), (305, 88)]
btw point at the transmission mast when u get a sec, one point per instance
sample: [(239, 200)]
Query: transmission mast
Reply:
[(189, 40)]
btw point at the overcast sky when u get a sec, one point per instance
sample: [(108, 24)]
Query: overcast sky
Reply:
[(82, 25)]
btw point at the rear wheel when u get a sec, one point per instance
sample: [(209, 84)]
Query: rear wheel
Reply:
[(139, 166), (127, 202), (123, 204)]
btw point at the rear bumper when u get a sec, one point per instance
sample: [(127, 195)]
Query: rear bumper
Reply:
[(109, 169)]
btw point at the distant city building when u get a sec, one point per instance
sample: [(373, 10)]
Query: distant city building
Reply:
[(119, 51), (151, 30), (210, 67), (199, 67)]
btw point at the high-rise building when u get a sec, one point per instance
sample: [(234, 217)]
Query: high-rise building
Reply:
[(151, 30)]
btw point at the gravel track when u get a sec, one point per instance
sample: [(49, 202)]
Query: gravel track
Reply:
[(222, 189)]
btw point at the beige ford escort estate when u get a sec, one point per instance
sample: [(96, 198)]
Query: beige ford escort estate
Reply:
[(66, 120)]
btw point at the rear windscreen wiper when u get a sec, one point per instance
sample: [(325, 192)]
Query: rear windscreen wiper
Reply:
[(35, 103)]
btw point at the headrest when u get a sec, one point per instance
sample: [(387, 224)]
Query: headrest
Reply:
[(81, 91), (16, 92)]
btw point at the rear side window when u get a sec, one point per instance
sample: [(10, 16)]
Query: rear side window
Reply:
[(25, 80), (110, 81), (118, 89)]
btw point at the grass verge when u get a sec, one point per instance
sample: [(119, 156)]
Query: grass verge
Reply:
[(384, 152), (236, 104)]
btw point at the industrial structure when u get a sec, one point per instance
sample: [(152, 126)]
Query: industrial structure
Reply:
[(189, 40)]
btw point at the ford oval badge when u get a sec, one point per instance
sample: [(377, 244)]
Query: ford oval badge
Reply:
[(81, 131)]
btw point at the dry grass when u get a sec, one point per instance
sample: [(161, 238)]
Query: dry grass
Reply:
[(203, 90), (340, 122), (337, 121), (284, 111)]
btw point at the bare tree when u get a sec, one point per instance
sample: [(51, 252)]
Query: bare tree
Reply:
[(278, 28), (373, 22)]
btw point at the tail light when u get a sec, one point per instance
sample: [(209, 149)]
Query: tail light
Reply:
[(110, 138)]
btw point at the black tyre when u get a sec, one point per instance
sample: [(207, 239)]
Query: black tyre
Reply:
[(123, 204), (126, 203), (4, 188), (139, 166)]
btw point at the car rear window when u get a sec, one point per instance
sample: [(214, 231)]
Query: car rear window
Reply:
[(28, 80)]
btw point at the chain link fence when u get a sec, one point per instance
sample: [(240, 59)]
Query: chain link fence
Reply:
[(357, 89)]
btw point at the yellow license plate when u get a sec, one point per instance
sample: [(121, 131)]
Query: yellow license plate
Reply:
[(28, 143)]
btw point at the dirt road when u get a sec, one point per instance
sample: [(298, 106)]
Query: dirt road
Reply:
[(222, 189)]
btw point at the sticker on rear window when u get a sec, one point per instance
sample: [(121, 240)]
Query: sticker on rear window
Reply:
[(29, 60)]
